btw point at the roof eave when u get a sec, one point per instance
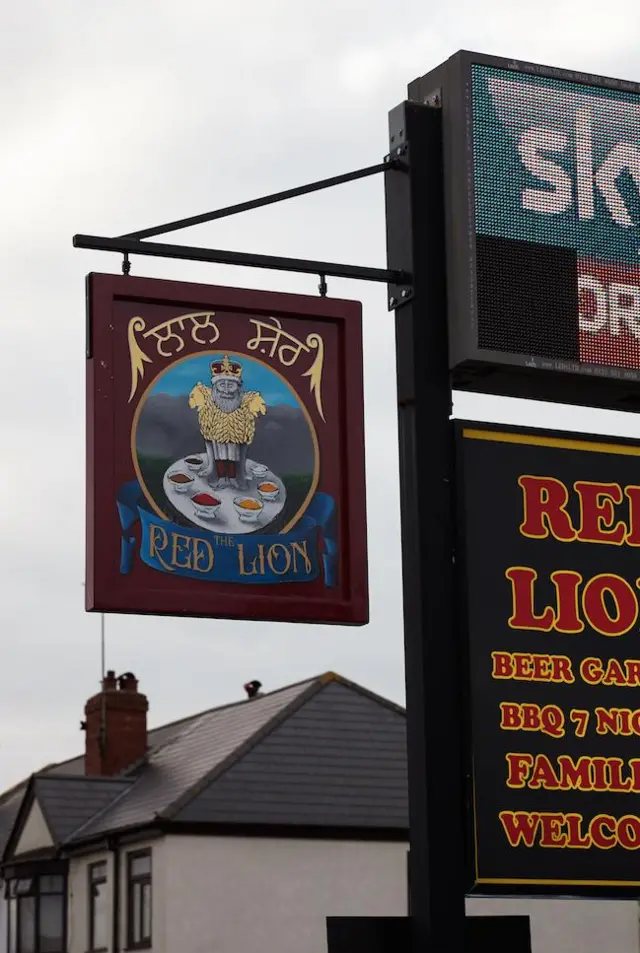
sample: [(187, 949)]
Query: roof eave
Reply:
[(289, 831)]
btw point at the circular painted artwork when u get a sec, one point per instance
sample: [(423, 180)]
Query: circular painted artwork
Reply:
[(223, 442)]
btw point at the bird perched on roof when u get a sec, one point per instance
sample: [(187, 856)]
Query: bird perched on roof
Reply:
[(253, 689)]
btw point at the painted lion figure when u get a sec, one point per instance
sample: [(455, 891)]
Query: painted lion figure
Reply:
[(227, 432)]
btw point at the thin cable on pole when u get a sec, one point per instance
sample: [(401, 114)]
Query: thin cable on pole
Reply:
[(103, 719), (102, 647)]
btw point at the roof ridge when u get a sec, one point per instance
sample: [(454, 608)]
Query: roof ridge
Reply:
[(385, 702), (217, 708), (314, 686), (194, 720)]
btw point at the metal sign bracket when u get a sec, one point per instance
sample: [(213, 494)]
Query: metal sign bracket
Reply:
[(134, 243)]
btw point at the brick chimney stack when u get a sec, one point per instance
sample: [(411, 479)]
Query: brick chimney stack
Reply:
[(115, 726)]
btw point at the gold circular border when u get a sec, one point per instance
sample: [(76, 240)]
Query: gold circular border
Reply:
[(238, 354)]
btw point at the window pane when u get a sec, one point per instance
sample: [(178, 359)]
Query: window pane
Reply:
[(12, 912), (98, 871), (54, 883), (136, 905), (51, 923), (140, 866), (98, 913), (27, 924), (139, 899), (146, 911), (23, 886)]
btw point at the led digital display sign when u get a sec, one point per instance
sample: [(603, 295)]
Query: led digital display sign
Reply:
[(542, 202)]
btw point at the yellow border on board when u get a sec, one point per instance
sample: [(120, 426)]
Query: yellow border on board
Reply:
[(563, 883), (563, 443)]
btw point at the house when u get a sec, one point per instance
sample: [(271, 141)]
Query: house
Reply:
[(237, 830)]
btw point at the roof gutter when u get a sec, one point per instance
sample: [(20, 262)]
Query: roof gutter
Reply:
[(77, 846)]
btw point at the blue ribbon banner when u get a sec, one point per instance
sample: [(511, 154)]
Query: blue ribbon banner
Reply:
[(300, 555)]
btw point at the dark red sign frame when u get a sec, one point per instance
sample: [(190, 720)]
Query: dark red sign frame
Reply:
[(313, 347)]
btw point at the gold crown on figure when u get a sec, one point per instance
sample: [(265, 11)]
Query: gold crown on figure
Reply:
[(226, 370)]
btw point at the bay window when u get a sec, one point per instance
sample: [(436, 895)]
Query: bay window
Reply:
[(36, 912)]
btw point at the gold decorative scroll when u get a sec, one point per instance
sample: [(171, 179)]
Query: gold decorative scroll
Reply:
[(315, 371), (269, 340), (136, 354), (169, 339)]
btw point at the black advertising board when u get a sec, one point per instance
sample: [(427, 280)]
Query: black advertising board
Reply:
[(542, 205), (549, 558), (482, 934)]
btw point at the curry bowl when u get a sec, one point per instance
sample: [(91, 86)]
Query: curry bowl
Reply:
[(268, 490), (181, 482), (206, 505), (247, 508), (194, 462)]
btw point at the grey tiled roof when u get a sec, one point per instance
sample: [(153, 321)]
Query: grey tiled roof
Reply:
[(339, 760), (68, 802), (9, 807), (322, 753), (172, 769), (155, 737), (11, 799)]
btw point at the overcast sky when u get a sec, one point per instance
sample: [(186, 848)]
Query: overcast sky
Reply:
[(121, 115)]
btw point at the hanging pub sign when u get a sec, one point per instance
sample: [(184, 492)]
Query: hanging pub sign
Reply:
[(542, 194), (225, 464), (550, 586)]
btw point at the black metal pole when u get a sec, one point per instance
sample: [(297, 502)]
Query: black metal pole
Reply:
[(131, 246), (261, 202), (415, 242)]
